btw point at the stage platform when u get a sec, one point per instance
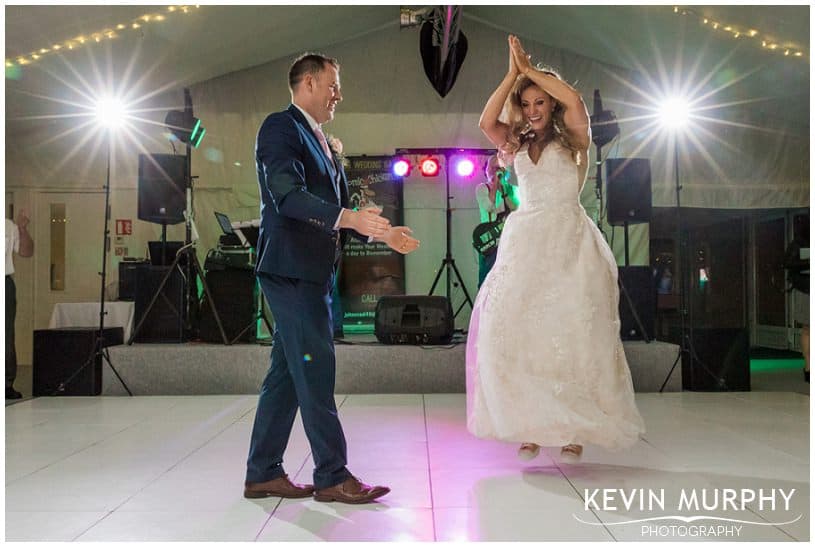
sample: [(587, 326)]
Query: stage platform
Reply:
[(363, 366)]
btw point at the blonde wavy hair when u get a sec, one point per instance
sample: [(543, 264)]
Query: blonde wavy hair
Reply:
[(519, 130)]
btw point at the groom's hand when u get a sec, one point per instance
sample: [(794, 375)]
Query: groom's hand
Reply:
[(399, 239), (367, 222)]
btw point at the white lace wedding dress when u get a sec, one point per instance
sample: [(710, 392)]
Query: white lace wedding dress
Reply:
[(545, 363)]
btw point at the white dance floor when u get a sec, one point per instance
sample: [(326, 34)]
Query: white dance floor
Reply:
[(172, 468)]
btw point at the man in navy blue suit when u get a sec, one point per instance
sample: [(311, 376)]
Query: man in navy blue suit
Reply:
[(304, 223)]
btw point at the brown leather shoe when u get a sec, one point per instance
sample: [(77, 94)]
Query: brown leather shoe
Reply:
[(351, 491), (280, 487)]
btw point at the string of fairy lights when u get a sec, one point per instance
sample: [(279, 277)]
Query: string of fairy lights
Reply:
[(96, 37), (741, 32), (736, 31)]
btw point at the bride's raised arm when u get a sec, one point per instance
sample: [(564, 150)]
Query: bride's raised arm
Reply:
[(497, 131), (575, 116)]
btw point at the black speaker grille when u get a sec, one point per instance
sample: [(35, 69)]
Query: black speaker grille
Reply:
[(60, 353), (165, 321), (720, 360), (639, 283), (162, 188), (628, 190), (414, 320), (236, 301)]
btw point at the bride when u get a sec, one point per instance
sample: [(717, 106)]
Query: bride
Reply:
[(545, 364)]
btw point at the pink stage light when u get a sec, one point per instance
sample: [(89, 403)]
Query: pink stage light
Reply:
[(465, 167)]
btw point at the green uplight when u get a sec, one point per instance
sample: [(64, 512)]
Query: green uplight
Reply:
[(764, 365)]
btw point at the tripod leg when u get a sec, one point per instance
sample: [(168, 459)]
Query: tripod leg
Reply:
[(152, 303), (106, 356), (670, 372), (246, 328), (211, 301), (633, 310), (722, 385), (266, 320), (461, 282), (461, 307), (438, 276), (262, 310)]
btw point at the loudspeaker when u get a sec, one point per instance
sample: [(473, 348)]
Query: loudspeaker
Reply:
[(723, 360), (59, 353), (236, 301), (129, 271), (165, 323), (628, 190), (413, 320), (639, 283), (162, 188)]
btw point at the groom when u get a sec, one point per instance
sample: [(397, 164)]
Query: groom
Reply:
[(304, 223)]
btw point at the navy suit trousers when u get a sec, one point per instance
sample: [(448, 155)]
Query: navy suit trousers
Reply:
[(301, 374)]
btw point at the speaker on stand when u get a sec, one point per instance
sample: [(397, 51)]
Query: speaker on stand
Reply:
[(628, 194)]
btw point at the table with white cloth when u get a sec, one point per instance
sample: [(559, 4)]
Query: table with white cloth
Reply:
[(86, 314)]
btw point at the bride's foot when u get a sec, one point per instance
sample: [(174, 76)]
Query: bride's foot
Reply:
[(528, 451), (571, 453)]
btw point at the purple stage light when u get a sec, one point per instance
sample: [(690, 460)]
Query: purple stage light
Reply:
[(401, 167), (465, 167)]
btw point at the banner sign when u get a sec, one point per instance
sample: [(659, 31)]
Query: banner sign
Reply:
[(370, 270)]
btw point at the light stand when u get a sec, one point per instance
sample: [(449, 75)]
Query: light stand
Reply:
[(448, 263), (685, 308), (100, 350)]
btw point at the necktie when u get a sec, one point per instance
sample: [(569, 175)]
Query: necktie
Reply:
[(323, 143)]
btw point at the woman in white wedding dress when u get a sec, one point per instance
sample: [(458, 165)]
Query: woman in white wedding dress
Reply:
[(545, 364)]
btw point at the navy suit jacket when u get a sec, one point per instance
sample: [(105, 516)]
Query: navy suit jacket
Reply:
[(301, 197)]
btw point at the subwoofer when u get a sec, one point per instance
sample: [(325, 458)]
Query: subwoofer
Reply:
[(628, 190), (60, 353), (721, 360), (639, 283), (233, 291), (413, 319), (165, 321)]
